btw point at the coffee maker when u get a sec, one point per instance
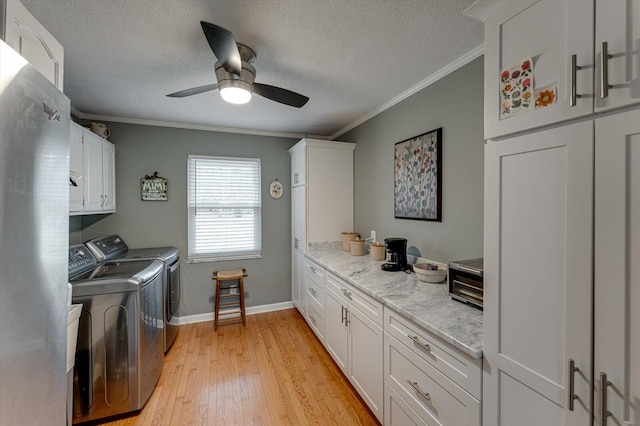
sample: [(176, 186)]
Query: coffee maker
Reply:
[(396, 255)]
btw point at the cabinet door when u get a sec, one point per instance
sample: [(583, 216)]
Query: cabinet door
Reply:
[(76, 170), (92, 152), (298, 165), (296, 280), (299, 217), (336, 336), (538, 262), (365, 359), (617, 268), (29, 38), (109, 175), (618, 25), (548, 32)]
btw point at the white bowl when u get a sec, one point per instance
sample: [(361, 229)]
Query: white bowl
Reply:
[(430, 276)]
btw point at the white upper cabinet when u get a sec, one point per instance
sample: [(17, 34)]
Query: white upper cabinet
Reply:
[(29, 38), (566, 76), (617, 29), (93, 169), (298, 165), (529, 46), (76, 170)]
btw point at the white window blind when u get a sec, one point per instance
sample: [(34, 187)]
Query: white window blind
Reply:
[(225, 208)]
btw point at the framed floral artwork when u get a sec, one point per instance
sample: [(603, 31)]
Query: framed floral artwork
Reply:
[(418, 177)]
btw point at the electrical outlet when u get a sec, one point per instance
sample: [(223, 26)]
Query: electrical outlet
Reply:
[(373, 236)]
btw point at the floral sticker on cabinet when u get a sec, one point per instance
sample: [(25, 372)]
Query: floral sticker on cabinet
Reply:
[(516, 89), (545, 96)]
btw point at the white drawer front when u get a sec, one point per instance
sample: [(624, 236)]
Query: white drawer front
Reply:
[(312, 268), (456, 365), (435, 398), (364, 303), (315, 292), (315, 319), (397, 412)]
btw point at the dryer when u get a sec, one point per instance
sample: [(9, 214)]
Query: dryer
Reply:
[(113, 248)]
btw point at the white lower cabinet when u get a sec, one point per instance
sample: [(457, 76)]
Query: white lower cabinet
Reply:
[(397, 412), (419, 372), (354, 339), (313, 295)]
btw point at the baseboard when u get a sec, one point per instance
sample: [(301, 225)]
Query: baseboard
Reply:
[(251, 310)]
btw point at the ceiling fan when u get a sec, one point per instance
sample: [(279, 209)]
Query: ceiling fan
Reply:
[(235, 74)]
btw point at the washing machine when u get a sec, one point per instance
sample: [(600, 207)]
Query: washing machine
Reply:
[(119, 353)]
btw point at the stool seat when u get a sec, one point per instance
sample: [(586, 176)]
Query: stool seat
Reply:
[(230, 290)]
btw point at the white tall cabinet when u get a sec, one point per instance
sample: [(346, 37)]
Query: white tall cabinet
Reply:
[(562, 214), (321, 200)]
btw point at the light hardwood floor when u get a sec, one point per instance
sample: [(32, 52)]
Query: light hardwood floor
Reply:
[(274, 372)]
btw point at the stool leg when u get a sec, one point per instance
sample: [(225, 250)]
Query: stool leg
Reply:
[(242, 312), (217, 307)]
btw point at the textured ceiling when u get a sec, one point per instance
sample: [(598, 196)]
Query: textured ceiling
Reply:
[(349, 57)]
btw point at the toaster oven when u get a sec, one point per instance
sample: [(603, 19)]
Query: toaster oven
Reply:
[(466, 281)]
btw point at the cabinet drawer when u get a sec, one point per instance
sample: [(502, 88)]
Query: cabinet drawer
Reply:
[(397, 412), (315, 291), (315, 318), (313, 269), (435, 398), (364, 303), (456, 365)]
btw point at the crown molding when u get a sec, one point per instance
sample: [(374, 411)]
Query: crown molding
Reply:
[(442, 72), (178, 125)]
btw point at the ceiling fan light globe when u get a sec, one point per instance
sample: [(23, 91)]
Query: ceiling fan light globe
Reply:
[(235, 95)]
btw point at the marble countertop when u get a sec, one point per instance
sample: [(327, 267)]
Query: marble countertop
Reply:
[(428, 305)]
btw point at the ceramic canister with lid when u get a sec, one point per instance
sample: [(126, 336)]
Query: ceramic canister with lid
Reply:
[(357, 247), (378, 251), (347, 236)]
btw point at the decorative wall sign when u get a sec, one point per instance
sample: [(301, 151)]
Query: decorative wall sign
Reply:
[(276, 190), (153, 188), (418, 177)]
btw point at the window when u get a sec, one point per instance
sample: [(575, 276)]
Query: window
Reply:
[(225, 208)]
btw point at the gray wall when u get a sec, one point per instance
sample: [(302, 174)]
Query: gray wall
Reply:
[(454, 103), (141, 150)]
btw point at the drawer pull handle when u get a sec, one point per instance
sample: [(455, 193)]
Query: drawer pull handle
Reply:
[(572, 373), (422, 393), (313, 291), (346, 292), (604, 411), (425, 346)]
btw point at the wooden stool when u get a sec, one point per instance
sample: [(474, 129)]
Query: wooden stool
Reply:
[(225, 291)]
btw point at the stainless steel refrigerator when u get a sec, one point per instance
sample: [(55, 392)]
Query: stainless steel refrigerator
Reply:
[(34, 242)]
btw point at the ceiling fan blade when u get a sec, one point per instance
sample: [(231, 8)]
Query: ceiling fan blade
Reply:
[(193, 91), (224, 47), (281, 95)]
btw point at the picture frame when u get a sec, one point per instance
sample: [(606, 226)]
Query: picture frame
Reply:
[(417, 187)]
